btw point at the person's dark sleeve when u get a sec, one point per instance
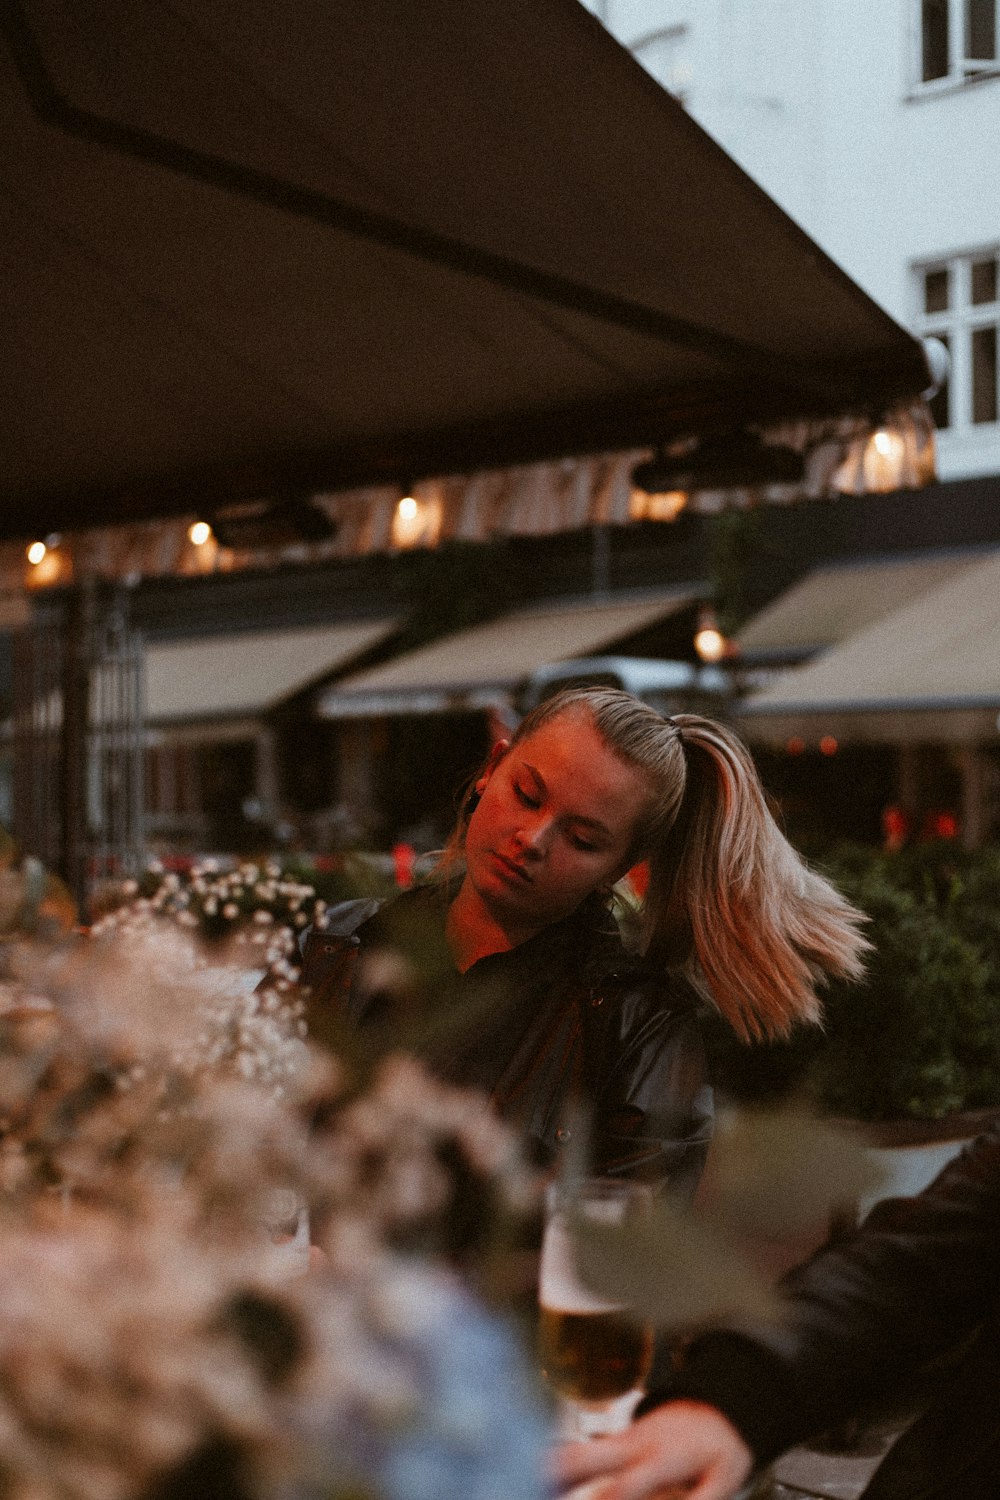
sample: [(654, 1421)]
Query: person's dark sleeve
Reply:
[(652, 1103), (914, 1281)]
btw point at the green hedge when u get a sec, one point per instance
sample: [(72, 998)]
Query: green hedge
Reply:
[(920, 1039)]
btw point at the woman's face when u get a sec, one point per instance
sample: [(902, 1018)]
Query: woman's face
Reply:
[(557, 818)]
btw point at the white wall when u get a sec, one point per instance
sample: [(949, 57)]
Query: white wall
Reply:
[(816, 100)]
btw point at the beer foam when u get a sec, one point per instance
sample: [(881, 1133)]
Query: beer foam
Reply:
[(559, 1287)]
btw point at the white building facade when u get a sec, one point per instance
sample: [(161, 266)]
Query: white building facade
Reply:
[(876, 125)]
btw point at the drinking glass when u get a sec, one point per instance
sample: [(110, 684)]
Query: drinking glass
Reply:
[(595, 1353), (287, 1228)]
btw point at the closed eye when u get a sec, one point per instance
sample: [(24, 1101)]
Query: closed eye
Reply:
[(525, 797), (589, 843)]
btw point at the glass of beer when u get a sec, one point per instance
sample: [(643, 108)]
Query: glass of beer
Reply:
[(595, 1353)]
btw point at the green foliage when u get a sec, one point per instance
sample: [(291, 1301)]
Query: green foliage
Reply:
[(343, 877), (735, 538), (771, 1174), (33, 902), (920, 1039), (676, 1271)]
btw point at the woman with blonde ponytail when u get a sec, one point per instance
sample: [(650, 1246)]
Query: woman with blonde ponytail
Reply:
[(511, 964)]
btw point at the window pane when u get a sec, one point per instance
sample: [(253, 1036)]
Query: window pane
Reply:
[(980, 29), (941, 403), (934, 56), (936, 297), (984, 375), (984, 281)]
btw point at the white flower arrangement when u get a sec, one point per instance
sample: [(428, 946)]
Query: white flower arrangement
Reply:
[(252, 911), (161, 1127)]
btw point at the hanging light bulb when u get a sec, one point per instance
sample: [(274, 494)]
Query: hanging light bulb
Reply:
[(883, 460), (416, 520), (199, 532), (48, 563), (709, 642)]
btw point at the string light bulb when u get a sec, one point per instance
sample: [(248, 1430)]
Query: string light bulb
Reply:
[(36, 553), (199, 532)]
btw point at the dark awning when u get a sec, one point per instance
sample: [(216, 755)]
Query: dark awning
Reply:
[(255, 247)]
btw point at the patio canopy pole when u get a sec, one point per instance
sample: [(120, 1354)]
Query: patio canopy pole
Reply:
[(77, 635)]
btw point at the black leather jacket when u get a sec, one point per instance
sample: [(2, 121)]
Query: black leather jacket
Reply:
[(919, 1279), (566, 1016)]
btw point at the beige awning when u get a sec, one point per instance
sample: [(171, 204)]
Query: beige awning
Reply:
[(478, 667), (830, 604), (929, 670), (227, 675)]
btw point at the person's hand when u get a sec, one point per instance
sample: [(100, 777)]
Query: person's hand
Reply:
[(682, 1449)]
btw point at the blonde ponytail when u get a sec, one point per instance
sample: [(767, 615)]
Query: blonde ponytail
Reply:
[(733, 904)]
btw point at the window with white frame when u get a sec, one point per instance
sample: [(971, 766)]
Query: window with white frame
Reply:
[(958, 304), (958, 40)]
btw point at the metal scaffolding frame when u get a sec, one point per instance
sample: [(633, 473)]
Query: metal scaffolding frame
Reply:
[(78, 738)]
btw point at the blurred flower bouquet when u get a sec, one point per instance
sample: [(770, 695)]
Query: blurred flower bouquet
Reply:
[(166, 1131)]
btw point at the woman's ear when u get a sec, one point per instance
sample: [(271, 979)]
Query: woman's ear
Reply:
[(637, 869), (496, 755)]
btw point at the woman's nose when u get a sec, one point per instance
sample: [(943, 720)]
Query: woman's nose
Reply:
[(534, 836)]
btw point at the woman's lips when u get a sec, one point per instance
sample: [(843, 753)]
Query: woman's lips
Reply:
[(511, 869)]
